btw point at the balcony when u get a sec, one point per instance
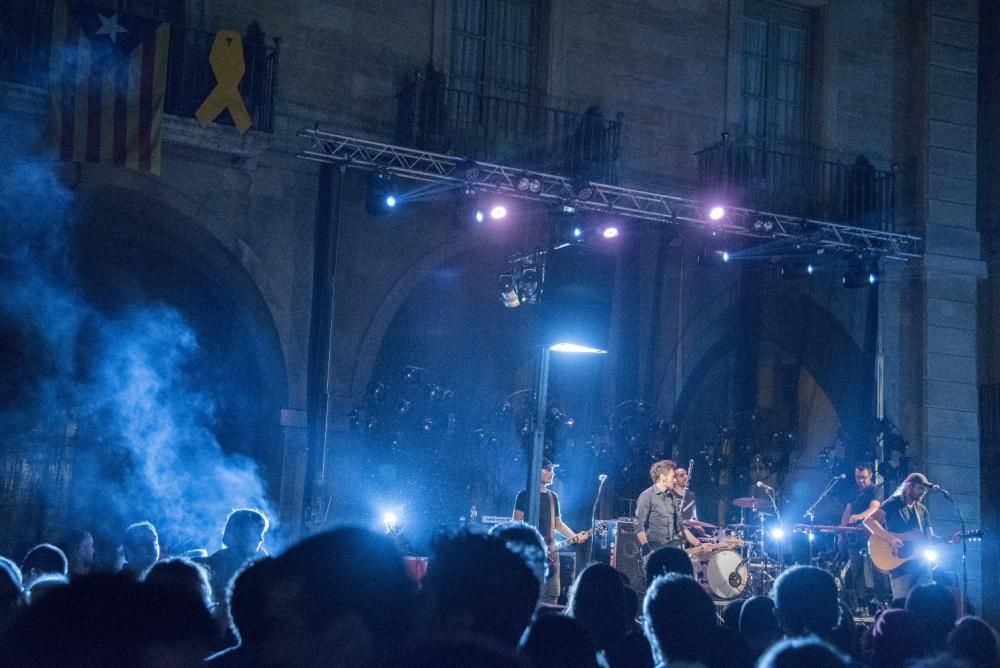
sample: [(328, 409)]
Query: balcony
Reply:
[(26, 37), (526, 133), (798, 180)]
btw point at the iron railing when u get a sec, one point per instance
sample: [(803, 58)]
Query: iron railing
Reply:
[(26, 39), (528, 133), (798, 180)]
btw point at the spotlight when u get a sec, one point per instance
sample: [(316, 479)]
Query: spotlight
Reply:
[(930, 555), (777, 533), (379, 198), (725, 256), (792, 269), (531, 185), (535, 185), (391, 522), (498, 212), (523, 183), (861, 273), (610, 232), (479, 216), (508, 293), (717, 213), (577, 232), (582, 189), (528, 286)]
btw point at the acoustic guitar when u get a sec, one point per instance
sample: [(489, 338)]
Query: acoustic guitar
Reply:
[(886, 559)]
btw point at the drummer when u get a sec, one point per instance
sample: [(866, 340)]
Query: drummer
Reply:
[(689, 509)]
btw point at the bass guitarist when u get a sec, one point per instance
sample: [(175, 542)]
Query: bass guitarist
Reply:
[(549, 522), (903, 512)]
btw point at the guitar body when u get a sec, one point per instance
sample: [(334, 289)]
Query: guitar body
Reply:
[(883, 556)]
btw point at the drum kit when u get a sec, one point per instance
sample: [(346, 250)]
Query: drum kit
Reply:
[(733, 563)]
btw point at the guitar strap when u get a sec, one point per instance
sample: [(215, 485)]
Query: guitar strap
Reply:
[(920, 521), (552, 518)]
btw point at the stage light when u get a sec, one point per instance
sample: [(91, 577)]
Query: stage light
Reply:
[(577, 232), (479, 216), (610, 232), (508, 293), (566, 347), (717, 213), (812, 536), (582, 190), (861, 273), (930, 555), (725, 256), (523, 183), (379, 198), (777, 533), (793, 269), (810, 269), (498, 212)]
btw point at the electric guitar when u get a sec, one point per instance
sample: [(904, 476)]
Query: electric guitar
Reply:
[(579, 538), (886, 559)]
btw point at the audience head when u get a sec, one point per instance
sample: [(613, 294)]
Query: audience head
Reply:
[(557, 641), (141, 546), (935, 609), (679, 618), (11, 593), (731, 615), (477, 585), (975, 641), (78, 545), (668, 560), (183, 574), (254, 602), (600, 604), (245, 530), (345, 594), (805, 601), (803, 651), (895, 639), (44, 559), (44, 584), (758, 623), (525, 540)]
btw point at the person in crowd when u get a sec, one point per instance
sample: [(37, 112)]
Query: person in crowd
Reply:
[(805, 601), (140, 548), (758, 625), (550, 523), (256, 595), (341, 598), (44, 559), (525, 539), (182, 573), (599, 602), (895, 639), (680, 621), (936, 611), (975, 641), (78, 546), (242, 541), (803, 651), (477, 586), (557, 641), (11, 594), (731, 615), (111, 619), (668, 560), (845, 637), (42, 585)]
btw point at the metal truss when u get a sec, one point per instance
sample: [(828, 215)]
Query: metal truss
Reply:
[(802, 234)]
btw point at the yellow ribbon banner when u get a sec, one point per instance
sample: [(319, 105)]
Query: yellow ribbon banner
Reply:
[(226, 59)]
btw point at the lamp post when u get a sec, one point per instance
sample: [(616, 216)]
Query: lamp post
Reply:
[(538, 440)]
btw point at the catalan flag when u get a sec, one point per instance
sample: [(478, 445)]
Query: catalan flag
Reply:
[(108, 74)]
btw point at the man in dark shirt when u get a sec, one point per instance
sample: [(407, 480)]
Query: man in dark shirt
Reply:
[(658, 512), (549, 522), (900, 513), (867, 498)]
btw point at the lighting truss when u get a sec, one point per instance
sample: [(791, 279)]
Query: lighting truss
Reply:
[(631, 203)]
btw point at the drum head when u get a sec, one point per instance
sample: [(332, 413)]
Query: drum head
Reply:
[(726, 574)]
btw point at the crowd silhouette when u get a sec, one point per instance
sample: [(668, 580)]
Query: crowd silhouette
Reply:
[(345, 597)]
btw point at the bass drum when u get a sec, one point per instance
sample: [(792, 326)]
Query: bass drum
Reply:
[(723, 574)]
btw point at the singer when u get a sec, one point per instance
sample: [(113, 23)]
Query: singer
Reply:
[(658, 512)]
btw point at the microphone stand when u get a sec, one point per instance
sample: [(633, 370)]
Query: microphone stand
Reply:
[(593, 521), (965, 549), (811, 514)]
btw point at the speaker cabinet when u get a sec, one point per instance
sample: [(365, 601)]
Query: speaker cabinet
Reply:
[(625, 553)]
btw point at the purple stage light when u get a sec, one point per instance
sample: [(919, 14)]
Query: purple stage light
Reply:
[(717, 213), (610, 232)]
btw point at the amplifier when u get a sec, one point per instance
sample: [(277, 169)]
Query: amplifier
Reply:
[(625, 552)]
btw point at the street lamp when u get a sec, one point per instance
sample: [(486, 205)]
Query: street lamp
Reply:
[(538, 442)]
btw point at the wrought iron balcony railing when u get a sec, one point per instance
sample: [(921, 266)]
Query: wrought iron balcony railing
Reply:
[(26, 39), (527, 133), (798, 180)]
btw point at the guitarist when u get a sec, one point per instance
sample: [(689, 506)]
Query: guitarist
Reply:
[(549, 522), (658, 512), (866, 500), (900, 513)]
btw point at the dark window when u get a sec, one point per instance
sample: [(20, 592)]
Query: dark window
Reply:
[(776, 65)]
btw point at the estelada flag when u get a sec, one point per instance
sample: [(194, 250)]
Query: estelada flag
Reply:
[(108, 76)]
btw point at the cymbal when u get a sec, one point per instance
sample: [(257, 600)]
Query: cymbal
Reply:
[(699, 524), (753, 503)]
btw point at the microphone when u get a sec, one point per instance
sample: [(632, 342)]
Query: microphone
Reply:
[(840, 477), (602, 477), (764, 486), (939, 488)]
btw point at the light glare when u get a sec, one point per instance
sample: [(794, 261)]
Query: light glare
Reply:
[(930, 555), (716, 213), (575, 348), (777, 533), (610, 232), (498, 212), (390, 201)]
